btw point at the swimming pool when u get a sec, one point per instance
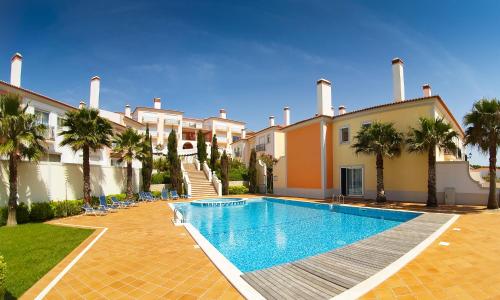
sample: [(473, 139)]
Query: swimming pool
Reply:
[(265, 232)]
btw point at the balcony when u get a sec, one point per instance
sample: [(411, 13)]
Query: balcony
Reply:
[(172, 122), (260, 147), (149, 119), (50, 133), (193, 125)]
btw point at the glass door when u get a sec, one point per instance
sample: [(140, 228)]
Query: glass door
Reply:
[(351, 181)]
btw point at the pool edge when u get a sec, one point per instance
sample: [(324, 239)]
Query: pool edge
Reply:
[(228, 269)]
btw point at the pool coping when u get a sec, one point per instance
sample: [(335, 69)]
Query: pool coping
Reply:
[(233, 274), (228, 269)]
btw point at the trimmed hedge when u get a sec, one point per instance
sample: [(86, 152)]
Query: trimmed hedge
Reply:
[(3, 276), (160, 178), (238, 190), (41, 211), (22, 214)]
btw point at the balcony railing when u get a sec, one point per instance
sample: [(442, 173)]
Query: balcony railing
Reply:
[(172, 122), (147, 119), (50, 133), (260, 147)]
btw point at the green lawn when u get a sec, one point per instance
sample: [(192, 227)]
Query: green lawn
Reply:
[(31, 250)]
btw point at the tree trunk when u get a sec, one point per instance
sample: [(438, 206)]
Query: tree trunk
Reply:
[(431, 181), (380, 179), (86, 175), (11, 218), (130, 193), (492, 199)]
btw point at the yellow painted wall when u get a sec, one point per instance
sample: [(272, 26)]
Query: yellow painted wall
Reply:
[(405, 173), (329, 156), (303, 156)]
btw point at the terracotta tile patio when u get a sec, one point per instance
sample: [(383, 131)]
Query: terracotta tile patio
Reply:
[(143, 256)]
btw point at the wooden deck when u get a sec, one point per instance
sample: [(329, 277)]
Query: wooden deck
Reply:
[(329, 274)]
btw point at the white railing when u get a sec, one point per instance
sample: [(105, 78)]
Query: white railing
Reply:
[(217, 184), (207, 171), (196, 164), (185, 178)]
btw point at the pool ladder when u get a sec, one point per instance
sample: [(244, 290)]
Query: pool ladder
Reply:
[(178, 216), (338, 199)]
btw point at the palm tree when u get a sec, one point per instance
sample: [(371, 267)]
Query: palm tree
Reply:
[(21, 136), (84, 130), (483, 131), (381, 140), (431, 134), (128, 145)]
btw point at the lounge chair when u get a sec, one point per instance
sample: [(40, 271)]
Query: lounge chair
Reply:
[(89, 210), (103, 205), (143, 196), (164, 194), (150, 196), (174, 194), (121, 204)]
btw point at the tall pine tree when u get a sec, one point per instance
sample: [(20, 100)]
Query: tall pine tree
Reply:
[(174, 162), (147, 161), (202, 147), (252, 172), (214, 153), (224, 165)]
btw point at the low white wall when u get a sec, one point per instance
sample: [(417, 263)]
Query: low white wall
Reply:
[(455, 174), (238, 183), (57, 181)]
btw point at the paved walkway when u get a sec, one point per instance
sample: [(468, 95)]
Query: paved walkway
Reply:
[(143, 256)]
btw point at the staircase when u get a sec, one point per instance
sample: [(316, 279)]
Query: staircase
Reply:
[(200, 186)]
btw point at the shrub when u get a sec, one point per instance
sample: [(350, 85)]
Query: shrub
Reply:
[(66, 208), (238, 190), (156, 193), (3, 276), (41, 212), (22, 214), (161, 178)]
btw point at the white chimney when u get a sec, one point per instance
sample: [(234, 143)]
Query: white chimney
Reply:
[(324, 97), (222, 113), (157, 103), (342, 110), (15, 69), (127, 111), (398, 80), (244, 133), (286, 111), (81, 105), (427, 90), (271, 121), (95, 87)]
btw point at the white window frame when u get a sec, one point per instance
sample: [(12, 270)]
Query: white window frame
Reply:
[(362, 179), (348, 135)]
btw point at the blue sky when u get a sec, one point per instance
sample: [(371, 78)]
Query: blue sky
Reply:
[(253, 57)]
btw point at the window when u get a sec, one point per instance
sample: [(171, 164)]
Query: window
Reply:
[(366, 124), (42, 117), (268, 138), (344, 135), (51, 158), (236, 138), (459, 153), (60, 120), (351, 181)]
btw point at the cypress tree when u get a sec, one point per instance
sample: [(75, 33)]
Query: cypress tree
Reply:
[(147, 161), (252, 172), (214, 153), (202, 147), (224, 164), (174, 162)]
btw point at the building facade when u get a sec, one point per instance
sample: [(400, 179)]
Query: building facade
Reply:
[(319, 160)]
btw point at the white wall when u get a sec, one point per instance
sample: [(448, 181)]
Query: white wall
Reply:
[(455, 174), (56, 181)]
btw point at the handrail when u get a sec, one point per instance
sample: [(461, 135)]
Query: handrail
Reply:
[(197, 164), (217, 184), (338, 199), (207, 171), (177, 218), (186, 180)]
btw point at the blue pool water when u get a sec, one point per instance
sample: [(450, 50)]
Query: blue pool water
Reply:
[(266, 232)]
